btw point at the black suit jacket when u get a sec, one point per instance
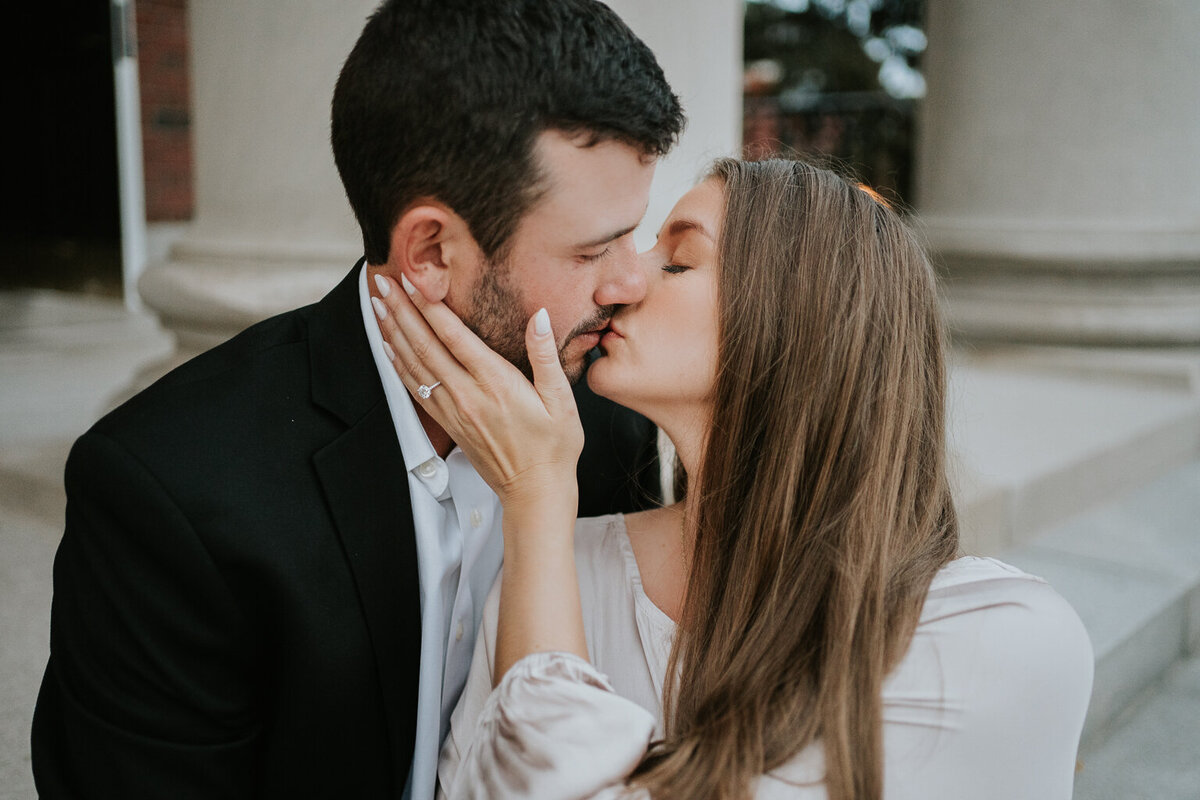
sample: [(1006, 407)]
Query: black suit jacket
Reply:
[(236, 608)]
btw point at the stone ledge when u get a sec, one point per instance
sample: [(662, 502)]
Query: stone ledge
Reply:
[(1040, 436), (64, 356), (31, 480), (1131, 569)]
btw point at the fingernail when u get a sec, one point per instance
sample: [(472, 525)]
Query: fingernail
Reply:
[(380, 308), (407, 284), (391, 354), (541, 322), (385, 288)]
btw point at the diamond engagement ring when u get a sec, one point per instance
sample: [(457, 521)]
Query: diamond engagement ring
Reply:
[(424, 391)]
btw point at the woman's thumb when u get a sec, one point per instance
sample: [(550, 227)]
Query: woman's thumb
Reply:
[(548, 376)]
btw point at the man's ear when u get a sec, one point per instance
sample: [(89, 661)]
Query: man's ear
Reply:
[(433, 247)]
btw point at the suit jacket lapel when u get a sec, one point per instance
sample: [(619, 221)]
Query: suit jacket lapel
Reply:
[(372, 511), (366, 487)]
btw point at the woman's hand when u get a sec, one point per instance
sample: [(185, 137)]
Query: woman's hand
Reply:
[(524, 439)]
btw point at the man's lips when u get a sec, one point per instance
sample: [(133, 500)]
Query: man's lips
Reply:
[(595, 334)]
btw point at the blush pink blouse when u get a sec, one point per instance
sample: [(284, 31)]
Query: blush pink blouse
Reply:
[(988, 702)]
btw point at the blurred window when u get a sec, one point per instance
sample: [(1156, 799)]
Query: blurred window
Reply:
[(836, 79)]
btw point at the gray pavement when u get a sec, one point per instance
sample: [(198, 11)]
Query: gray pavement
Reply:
[(62, 358), (26, 551)]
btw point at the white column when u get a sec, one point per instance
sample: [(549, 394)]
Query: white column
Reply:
[(698, 43), (1058, 165), (129, 150), (272, 229)]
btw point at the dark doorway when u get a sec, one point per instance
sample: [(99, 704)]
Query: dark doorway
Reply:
[(60, 223)]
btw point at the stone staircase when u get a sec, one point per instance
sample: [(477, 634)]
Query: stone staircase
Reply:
[(1084, 468)]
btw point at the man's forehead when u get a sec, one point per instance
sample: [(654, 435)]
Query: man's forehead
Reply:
[(581, 226), (589, 194)]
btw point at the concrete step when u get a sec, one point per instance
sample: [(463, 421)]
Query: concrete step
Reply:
[(63, 358), (1150, 750), (31, 478), (1131, 569), (1040, 435)]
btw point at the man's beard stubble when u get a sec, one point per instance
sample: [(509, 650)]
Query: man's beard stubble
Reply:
[(497, 317)]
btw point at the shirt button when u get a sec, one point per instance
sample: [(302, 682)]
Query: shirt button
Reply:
[(458, 633), (476, 518), (428, 469)]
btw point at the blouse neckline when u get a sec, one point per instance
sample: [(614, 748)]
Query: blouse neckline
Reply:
[(634, 575)]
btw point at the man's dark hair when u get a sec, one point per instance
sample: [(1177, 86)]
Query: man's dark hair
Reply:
[(445, 99)]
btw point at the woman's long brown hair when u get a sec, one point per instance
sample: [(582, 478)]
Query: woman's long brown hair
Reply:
[(823, 510)]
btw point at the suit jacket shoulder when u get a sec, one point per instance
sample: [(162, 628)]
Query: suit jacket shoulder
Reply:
[(239, 546)]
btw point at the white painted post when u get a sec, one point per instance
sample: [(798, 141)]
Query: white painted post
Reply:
[(129, 150)]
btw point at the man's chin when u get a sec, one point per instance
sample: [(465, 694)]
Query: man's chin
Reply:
[(573, 358), (575, 361), (574, 368), (575, 372)]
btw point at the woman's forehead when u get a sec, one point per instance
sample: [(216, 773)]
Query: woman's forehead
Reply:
[(699, 211)]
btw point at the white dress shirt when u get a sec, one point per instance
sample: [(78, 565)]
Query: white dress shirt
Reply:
[(456, 517)]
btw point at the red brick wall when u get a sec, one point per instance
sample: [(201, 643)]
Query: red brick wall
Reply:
[(162, 38)]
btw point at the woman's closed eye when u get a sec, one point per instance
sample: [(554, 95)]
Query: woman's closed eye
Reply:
[(675, 269)]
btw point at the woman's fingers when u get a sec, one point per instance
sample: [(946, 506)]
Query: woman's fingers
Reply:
[(548, 376), (467, 348), (523, 439), (420, 358)]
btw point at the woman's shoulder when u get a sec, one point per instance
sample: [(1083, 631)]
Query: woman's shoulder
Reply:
[(999, 662), (989, 699), (605, 589), (978, 569), (976, 584), (603, 562), (1007, 640), (598, 553), (593, 534), (1000, 607)]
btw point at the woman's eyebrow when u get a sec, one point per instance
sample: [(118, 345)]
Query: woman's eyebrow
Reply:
[(680, 226)]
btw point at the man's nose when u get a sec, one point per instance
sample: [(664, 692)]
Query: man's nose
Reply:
[(624, 280)]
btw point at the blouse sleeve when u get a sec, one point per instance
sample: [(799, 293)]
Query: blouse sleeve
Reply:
[(553, 728)]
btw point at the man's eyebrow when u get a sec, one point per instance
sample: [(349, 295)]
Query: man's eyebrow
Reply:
[(681, 226), (612, 237)]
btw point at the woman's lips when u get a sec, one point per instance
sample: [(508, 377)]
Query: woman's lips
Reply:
[(610, 335), (595, 337)]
